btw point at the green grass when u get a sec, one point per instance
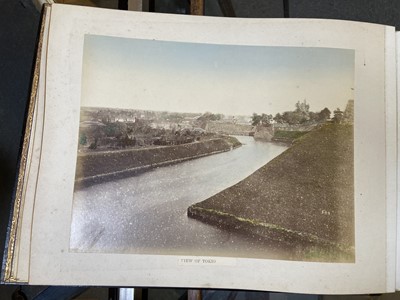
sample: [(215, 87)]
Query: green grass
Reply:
[(292, 135), (321, 254)]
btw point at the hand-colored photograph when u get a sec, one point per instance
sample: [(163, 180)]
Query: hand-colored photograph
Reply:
[(215, 150)]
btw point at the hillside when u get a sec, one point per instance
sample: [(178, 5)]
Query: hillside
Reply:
[(305, 196)]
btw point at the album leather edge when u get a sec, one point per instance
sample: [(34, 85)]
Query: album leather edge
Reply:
[(8, 274)]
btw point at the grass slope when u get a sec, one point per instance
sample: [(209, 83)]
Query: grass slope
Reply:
[(287, 136), (306, 194)]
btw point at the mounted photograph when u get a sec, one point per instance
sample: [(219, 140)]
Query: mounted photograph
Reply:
[(198, 149)]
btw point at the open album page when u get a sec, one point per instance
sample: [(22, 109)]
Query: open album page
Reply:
[(213, 152)]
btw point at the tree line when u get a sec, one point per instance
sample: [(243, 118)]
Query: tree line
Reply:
[(301, 115)]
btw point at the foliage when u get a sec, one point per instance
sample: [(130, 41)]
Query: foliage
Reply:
[(337, 115), (292, 135), (127, 142), (302, 107), (82, 139), (116, 129), (324, 114), (174, 117), (279, 118), (139, 127), (302, 115), (207, 116), (263, 119), (293, 117), (93, 145)]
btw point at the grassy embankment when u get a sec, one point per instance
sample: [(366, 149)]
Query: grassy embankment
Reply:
[(287, 136), (304, 197), (107, 165)]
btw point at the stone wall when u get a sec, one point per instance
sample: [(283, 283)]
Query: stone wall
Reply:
[(229, 128)]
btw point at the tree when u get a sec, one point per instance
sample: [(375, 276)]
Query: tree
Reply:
[(82, 139), (337, 115), (263, 119), (95, 132), (279, 118), (324, 115), (256, 119), (219, 117), (292, 117), (207, 116), (173, 117), (302, 107), (116, 129), (313, 117), (303, 111)]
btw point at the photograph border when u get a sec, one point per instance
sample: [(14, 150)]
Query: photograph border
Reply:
[(316, 70)]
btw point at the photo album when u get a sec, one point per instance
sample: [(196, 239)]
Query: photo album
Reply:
[(203, 152)]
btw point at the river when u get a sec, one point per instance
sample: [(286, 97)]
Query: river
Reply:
[(147, 213)]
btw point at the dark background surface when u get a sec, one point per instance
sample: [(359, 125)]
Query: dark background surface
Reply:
[(19, 25)]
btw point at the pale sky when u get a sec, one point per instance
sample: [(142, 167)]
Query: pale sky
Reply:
[(232, 80)]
